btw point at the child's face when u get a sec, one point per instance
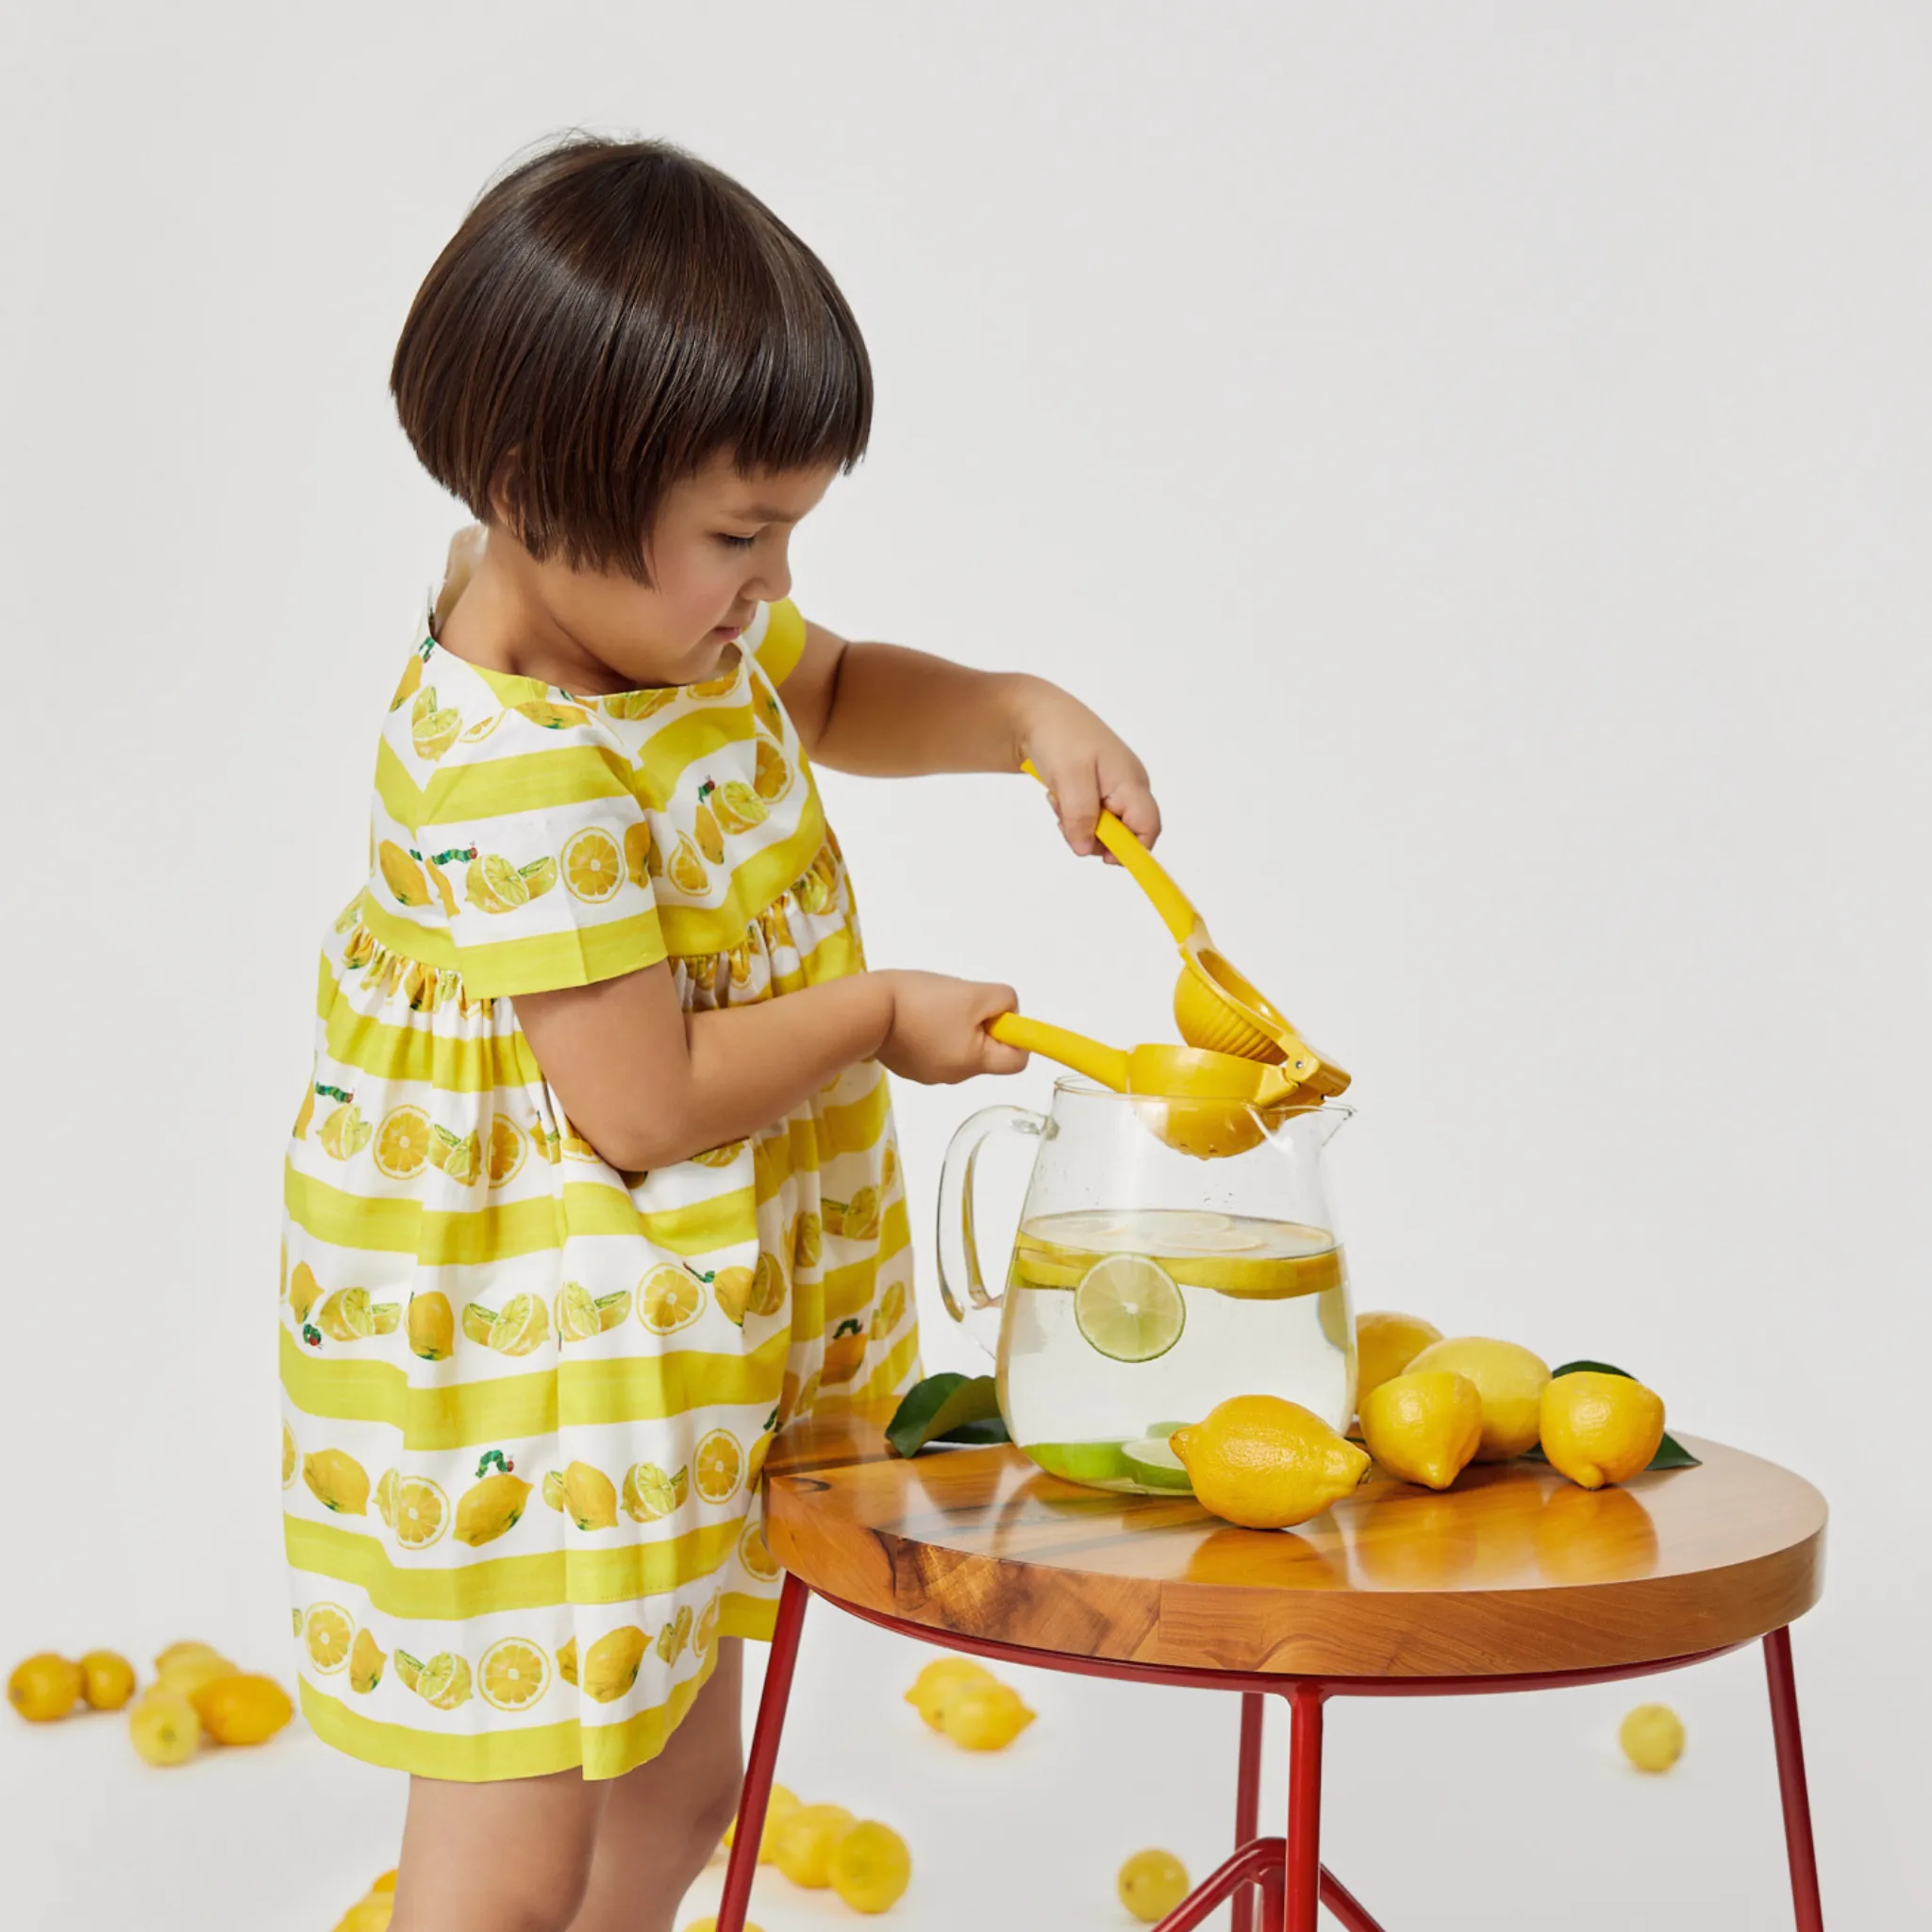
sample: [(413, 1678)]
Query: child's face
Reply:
[(719, 550)]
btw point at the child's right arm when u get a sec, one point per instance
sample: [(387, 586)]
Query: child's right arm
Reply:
[(648, 1085)]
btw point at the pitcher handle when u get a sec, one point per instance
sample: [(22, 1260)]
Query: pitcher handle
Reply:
[(959, 1241)]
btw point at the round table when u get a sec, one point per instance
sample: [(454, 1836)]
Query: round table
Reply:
[(1514, 1580)]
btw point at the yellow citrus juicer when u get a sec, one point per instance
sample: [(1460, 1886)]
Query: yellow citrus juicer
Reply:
[(1217, 1008)]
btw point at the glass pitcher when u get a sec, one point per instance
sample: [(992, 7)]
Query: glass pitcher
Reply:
[(1147, 1284)]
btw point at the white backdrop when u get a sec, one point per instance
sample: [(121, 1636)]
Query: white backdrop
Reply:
[(1476, 454)]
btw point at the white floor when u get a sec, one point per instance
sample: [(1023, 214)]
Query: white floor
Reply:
[(1491, 1813)]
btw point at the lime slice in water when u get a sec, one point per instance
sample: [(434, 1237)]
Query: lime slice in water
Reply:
[(1151, 1462), (1128, 1308), (1080, 1462)]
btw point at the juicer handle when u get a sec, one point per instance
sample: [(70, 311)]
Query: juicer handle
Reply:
[(962, 1285), (1177, 911), (1107, 1064)]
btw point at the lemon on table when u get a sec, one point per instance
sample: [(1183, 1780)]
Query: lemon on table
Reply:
[(1425, 1428), (1151, 1884), (870, 1867), (1652, 1737), (803, 1847), (944, 1679), (778, 1807), (163, 1726), (1130, 1309), (1385, 1344), (1599, 1429), (45, 1687), (1510, 1381), (106, 1679), (243, 1709), (1266, 1463), (986, 1716)]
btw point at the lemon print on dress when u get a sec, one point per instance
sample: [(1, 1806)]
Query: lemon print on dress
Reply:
[(581, 1318), (718, 1466), (890, 1310), (304, 1290), (402, 874), (492, 884), (704, 1633), (551, 717), (567, 1661), (432, 728), (767, 1286), (649, 1494), (754, 1553), (438, 879), (523, 1324), (290, 1459), (493, 1505), (639, 854), (858, 1219), (411, 679), (844, 1352), (418, 1511), (505, 1150), (674, 1635), (634, 705), (366, 1660), (327, 1631), (345, 1133), (402, 1143), (720, 1157), (513, 1673), (738, 808), (336, 1481), (771, 776), (669, 1299), (445, 1681), (588, 1497), (610, 1665), (731, 1288), (806, 1240), (431, 1326), (686, 870), (304, 1114), (548, 1142), (592, 865), (347, 1315)]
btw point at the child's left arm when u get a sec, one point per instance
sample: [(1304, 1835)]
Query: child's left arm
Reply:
[(884, 711)]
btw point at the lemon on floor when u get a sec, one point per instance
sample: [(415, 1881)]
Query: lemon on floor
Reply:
[(803, 1849), (106, 1679), (1151, 1884), (778, 1807), (942, 1681), (163, 1726), (1265, 1463), (871, 1867), (986, 1716), (45, 1687), (1652, 1737)]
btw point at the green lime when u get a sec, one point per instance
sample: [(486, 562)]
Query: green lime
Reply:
[(1151, 1462), (1128, 1308), (1080, 1462)]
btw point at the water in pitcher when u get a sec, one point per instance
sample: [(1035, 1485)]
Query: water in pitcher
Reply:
[(1122, 1326)]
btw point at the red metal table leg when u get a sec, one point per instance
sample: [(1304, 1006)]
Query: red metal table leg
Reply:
[(1347, 1909), (763, 1760), (1247, 1801), (1303, 1862), (1791, 1778)]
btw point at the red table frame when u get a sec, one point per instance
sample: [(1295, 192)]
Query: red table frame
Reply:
[(1287, 1872)]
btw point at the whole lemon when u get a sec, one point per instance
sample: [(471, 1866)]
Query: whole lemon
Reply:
[(163, 1726), (1385, 1344), (187, 1675), (44, 1686), (941, 1681), (1151, 1884), (986, 1716), (1510, 1381), (778, 1807), (242, 1708), (176, 1652), (372, 1912), (1652, 1737), (804, 1851), (1265, 1463), (1425, 1427), (1599, 1429), (106, 1679), (871, 1867)]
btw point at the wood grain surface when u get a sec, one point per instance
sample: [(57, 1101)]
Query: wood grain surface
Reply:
[(1514, 1569)]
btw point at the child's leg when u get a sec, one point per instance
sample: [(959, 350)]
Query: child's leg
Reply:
[(508, 1856), (661, 1821)]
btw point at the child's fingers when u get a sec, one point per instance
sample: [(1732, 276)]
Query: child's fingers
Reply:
[(1076, 795), (1132, 803), (998, 1057)]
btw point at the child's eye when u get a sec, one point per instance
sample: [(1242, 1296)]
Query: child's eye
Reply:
[(737, 543)]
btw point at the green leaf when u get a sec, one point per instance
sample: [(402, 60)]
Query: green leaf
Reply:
[(1671, 1454), (947, 1408)]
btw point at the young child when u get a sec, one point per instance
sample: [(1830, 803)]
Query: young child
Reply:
[(595, 1187)]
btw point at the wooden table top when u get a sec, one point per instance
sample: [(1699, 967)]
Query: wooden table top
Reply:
[(1516, 1570)]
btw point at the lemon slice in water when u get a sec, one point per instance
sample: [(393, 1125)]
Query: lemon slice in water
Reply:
[(1128, 1308)]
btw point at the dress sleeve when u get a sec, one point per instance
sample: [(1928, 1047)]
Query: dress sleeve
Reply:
[(547, 853), (775, 637)]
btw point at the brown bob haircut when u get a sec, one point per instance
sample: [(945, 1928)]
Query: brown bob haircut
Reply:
[(610, 317)]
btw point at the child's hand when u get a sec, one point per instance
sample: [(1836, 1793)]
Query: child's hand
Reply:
[(939, 1028), (1085, 766)]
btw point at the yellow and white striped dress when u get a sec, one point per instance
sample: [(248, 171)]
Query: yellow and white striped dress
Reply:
[(527, 1397)]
